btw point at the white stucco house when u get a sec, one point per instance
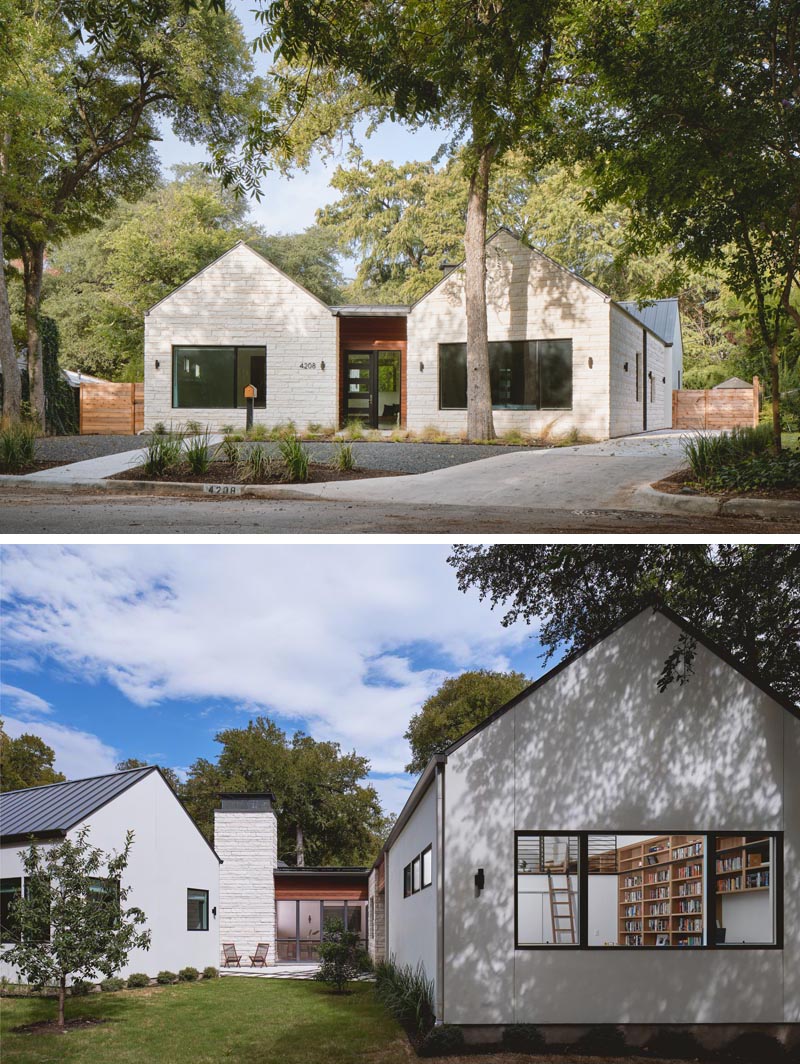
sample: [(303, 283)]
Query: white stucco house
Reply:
[(599, 852), (173, 872), (563, 355)]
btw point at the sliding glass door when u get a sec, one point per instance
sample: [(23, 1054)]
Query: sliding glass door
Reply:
[(301, 925)]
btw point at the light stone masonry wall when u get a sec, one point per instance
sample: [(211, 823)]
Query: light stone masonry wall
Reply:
[(248, 846), (377, 919), (243, 300), (626, 411), (529, 297)]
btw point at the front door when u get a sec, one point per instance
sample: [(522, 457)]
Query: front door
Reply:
[(372, 388)]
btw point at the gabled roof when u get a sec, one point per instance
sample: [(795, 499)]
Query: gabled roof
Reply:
[(734, 382), (219, 258), (662, 316), (51, 811)]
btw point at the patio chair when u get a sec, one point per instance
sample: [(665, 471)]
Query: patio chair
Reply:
[(259, 958), (230, 956)]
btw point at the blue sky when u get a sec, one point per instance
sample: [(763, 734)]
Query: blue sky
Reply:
[(289, 204), (147, 651)]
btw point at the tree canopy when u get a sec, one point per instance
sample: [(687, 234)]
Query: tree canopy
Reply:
[(169, 774), (327, 813), (459, 704), (746, 598), (26, 761)]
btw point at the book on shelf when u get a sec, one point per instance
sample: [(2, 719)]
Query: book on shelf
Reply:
[(757, 879), (691, 905), (680, 853)]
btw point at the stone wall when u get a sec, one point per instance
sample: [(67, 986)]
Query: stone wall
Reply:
[(377, 920), (248, 846), (243, 300), (529, 297), (626, 409)]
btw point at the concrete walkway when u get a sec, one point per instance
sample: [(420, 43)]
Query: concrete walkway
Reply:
[(276, 971), (93, 469)]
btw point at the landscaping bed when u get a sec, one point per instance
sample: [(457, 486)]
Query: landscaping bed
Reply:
[(31, 467), (684, 482), (222, 472)]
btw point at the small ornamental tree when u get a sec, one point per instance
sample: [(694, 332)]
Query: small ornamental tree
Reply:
[(341, 956), (71, 919)]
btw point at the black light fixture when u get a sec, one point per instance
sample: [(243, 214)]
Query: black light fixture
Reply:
[(479, 882), (422, 367), (158, 364), (625, 367), (322, 364), (214, 911), (591, 362)]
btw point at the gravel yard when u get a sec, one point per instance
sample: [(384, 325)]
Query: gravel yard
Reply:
[(404, 457), (64, 449)]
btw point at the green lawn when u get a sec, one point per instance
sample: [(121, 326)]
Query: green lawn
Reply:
[(247, 1021)]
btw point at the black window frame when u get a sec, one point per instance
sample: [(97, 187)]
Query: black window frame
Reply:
[(7, 934), (521, 407), (428, 850), (239, 403), (197, 890), (709, 843), (418, 862), (407, 881)]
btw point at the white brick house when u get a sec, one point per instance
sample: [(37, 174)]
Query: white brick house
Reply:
[(563, 355)]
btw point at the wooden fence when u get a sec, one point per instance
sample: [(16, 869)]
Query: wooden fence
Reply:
[(715, 408), (112, 409)]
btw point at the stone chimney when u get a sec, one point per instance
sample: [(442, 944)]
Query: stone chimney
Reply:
[(246, 838)]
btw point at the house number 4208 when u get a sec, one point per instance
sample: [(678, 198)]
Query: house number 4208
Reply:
[(308, 365)]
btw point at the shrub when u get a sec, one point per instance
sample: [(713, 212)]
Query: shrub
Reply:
[(137, 980), (757, 473), (80, 987), (674, 1045), (433, 434), (188, 974), (256, 464), (257, 432), (229, 449), (191, 428), (161, 454), (343, 457), (602, 1041), (441, 1041), (17, 446), (707, 454), (569, 439), (165, 978), (754, 1046), (197, 453), (109, 985), (513, 436), (226, 430), (159, 429), (283, 430), (339, 956), (523, 1038), (210, 972), (354, 429), (295, 459), (407, 993)]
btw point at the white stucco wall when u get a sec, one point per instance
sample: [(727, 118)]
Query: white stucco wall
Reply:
[(248, 845), (626, 411), (412, 920), (528, 298), (598, 748), (243, 300), (168, 857)]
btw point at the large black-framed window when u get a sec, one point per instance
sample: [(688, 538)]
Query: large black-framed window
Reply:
[(524, 375), (210, 377), (302, 924), (719, 890), (196, 910)]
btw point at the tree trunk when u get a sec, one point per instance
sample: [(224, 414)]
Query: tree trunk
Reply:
[(300, 847), (480, 424), (62, 993), (12, 382), (775, 384), (33, 262)]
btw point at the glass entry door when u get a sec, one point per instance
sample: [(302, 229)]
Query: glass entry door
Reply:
[(372, 388)]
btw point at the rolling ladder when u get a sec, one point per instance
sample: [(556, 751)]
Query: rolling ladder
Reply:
[(561, 907)]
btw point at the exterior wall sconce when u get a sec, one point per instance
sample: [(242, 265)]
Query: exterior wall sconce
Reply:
[(422, 367), (158, 364), (479, 882), (214, 911), (663, 380), (625, 367), (322, 364), (591, 362)]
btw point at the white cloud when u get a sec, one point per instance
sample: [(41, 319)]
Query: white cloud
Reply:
[(22, 702), (324, 635), (78, 753), (393, 791)]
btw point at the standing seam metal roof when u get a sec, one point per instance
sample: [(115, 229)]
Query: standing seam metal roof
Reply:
[(56, 807), (661, 316)]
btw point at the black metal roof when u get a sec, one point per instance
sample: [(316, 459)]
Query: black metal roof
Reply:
[(56, 807), (322, 870)]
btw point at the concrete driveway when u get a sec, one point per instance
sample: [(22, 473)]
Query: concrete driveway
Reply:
[(599, 476)]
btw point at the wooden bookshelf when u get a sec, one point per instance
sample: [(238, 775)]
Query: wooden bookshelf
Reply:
[(661, 891)]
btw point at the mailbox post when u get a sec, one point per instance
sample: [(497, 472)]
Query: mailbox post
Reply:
[(250, 394)]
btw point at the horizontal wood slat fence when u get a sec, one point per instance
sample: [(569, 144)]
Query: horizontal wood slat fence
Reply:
[(112, 409), (715, 408)]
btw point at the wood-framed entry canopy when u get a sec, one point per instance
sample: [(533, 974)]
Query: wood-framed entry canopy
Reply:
[(372, 366)]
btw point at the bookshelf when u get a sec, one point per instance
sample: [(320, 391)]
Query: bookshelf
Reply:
[(661, 897)]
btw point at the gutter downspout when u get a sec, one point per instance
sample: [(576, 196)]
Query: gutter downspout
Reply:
[(440, 893)]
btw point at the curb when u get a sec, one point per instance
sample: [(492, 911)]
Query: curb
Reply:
[(736, 506), (149, 487)]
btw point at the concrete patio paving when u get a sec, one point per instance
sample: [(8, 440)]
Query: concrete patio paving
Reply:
[(276, 971)]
